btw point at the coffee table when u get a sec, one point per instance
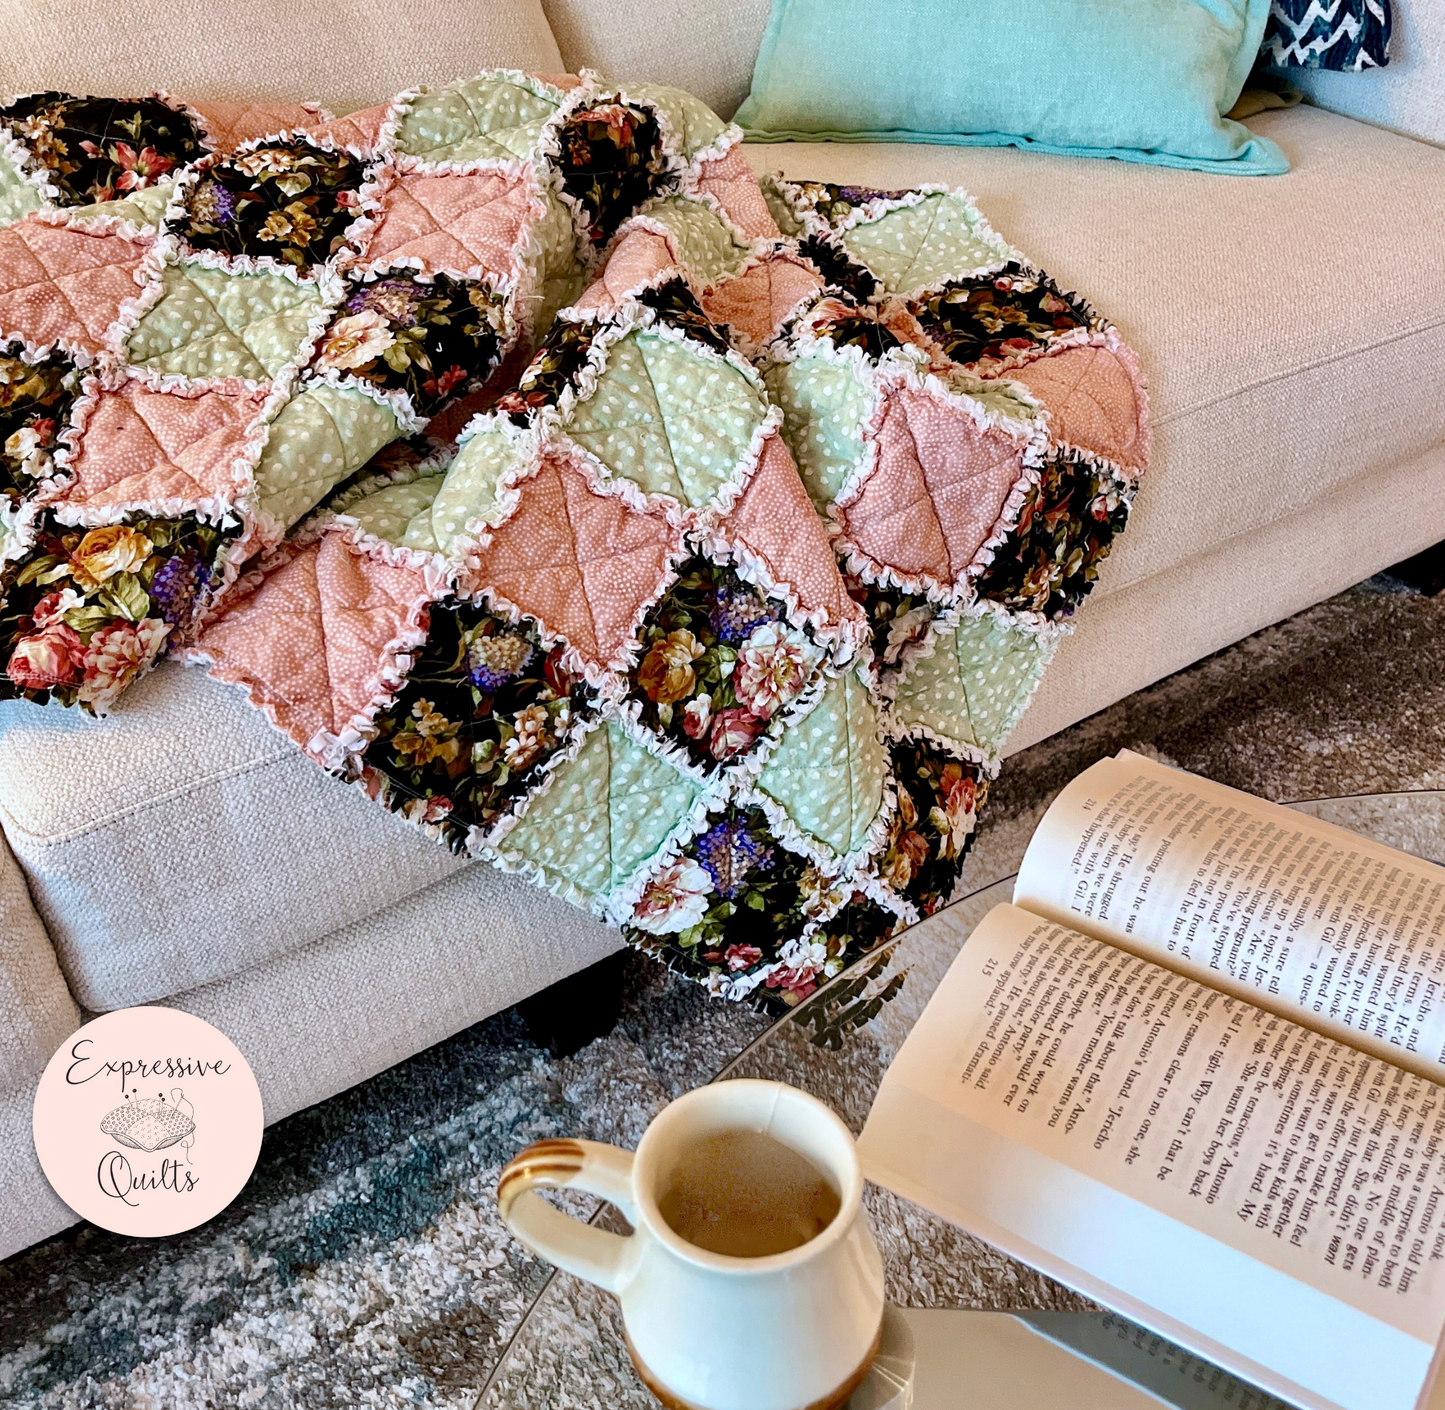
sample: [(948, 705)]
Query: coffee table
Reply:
[(986, 1330)]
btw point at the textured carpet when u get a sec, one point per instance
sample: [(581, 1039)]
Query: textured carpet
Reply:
[(364, 1265)]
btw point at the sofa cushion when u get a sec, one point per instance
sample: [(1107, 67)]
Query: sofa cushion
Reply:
[(182, 840), (344, 54), (700, 45), (1292, 329), (36, 1010)]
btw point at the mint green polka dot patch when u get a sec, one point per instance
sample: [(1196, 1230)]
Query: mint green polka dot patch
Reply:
[(937, 239), (705, 246), (475, 118), (827, 773), (468, 492), (209, 323), (694, 125), (606, 813), (823, 407), (670, 419), (145, 208), (320, 437), (974, 686), (389, 511)]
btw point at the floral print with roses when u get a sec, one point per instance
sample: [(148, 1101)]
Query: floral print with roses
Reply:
[(897, 619), (1064, 532), (484, 708), (433, 340), (551, 371), (717, 664), (611, 161), (939, 798), (289, 201), (996, 316), (735, 902), (102, 149), (88, 610), (836, 204), (35, 401)]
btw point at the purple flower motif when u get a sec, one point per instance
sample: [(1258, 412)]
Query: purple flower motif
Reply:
[(737, 610), (728, 852), (494, 660), (212, 205), (395, 299), (175, 586)]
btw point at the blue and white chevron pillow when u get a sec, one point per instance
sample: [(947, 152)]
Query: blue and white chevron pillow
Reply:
[(1347, 35)]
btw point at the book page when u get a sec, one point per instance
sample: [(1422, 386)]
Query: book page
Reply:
[(1334, 930), (1307, 1157)]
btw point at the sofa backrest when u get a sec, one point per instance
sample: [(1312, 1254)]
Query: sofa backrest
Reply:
[(344, 54), (705, 46), (1408, 94)]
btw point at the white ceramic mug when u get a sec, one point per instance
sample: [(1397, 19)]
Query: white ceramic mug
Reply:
[(707, 1331)]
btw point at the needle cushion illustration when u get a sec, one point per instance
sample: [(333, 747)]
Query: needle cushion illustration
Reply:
[(150, 1124)]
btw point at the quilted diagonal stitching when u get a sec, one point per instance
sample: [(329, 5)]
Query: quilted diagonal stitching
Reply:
[(54, 279), (161, 453), (236, 343), (48, 280), (169, 456), (507, 189), (239, 334), (926, 498)]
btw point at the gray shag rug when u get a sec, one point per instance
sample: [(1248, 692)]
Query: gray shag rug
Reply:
[(364, 1264)]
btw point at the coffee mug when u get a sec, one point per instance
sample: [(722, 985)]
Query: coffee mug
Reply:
[(709, 1330)]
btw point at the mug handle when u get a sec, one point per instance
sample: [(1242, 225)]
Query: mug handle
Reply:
[(594, 1254)]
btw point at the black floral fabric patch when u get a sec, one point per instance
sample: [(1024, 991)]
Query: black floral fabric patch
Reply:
[(289, 201), (554, 368), (717, 664), (838, 270), (35, 402), (432, 339), (483, 709), (730, 903), (1069, 520), (677, 306), (996, 316), (938, 799), (102, 149), (611, 161), (846, 325), (896, 619), (88, 610), (837, 204)]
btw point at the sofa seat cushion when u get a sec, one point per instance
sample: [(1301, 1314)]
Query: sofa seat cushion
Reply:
[(1292, 328), (183, 839), (1294, 332)]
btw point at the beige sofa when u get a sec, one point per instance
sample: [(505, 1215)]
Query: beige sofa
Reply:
[(1293, 330)]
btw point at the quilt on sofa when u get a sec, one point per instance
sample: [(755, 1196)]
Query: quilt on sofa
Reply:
[(687, 543)]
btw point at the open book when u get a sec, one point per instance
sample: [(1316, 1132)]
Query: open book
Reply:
[(1192, 1072)]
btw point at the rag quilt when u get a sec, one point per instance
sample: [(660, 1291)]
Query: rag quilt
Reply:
[(685, 542)]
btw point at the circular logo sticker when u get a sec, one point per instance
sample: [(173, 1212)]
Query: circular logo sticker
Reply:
[(148, 1121)]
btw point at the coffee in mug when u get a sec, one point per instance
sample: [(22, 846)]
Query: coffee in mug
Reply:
[(747, 1195), (746, 1203)]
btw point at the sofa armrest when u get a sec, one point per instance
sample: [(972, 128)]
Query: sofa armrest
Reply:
[(36, 1008), (1408, 94)]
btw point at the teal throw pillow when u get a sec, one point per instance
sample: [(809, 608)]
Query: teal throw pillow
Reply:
[(1141, 80)]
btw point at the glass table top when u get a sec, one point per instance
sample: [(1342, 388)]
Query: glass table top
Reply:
[(837, 1044)]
